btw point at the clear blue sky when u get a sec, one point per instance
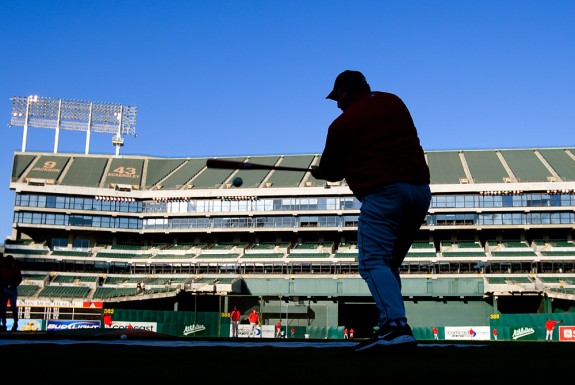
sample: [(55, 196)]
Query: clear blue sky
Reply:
[(226, 78)]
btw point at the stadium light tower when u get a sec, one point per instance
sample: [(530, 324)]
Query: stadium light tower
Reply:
[(75, 115)]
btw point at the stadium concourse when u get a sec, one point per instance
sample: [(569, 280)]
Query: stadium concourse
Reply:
[(169, 245)]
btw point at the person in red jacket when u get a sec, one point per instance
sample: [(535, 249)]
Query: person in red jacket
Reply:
[(375, 147), (435, 332), (235, 316), (278, 329), (549, 327), (107, 317), (254, 319), (10, 278)]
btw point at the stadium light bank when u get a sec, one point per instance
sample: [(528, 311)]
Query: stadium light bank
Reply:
[(61, 114)]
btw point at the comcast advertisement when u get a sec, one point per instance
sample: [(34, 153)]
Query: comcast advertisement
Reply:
[(467, 333)]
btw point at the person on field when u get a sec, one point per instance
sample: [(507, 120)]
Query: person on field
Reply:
[(107, 320), (235, 316), (374, 146), (278, 329), (254, 319), (549, 328), (435, 332), (10, 279)]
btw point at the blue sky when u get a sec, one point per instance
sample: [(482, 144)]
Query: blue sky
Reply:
[(226, 78)]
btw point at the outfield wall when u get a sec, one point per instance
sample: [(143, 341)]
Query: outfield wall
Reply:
[(514, 327)]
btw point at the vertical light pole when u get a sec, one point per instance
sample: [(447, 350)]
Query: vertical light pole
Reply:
[(29, 99), (58, 119), (89, 129), (118, 141)]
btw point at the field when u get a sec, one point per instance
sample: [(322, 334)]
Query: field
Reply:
[(76, 357)]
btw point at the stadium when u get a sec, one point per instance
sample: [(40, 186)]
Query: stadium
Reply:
[(170, 245)]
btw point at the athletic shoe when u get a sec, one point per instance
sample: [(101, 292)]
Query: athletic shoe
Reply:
[(389, 336)]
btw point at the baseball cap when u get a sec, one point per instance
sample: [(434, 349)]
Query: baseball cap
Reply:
[(347, 78)]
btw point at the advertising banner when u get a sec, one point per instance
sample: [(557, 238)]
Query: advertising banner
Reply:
[(150, 326), (71, 324), (262, 331), (25, 325), (467, 333), (567, 333)]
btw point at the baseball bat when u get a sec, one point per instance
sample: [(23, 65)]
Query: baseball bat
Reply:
[(235, 165)]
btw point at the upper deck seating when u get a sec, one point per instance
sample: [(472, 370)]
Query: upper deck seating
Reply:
[(27, 290), (85, 171), (64, 292)]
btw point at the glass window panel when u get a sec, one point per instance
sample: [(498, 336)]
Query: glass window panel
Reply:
[(123, 223), (27, 218), (59, 242), (37, 218), (459, 201), (61, 202), (51, 219), (264, 205), (287, 204), (76, 203), (135, 223), (194, 206), (81, 243), (350, 220), (507, 200), (51, 201), (243, 205), (519, 200), (106, 222), (471, 201), (218, 206), (38, 200), (106, 205)]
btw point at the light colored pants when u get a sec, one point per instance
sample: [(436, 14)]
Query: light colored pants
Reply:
[(389, 220), (253, 329)]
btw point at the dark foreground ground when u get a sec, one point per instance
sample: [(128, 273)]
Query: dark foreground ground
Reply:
[(105, 358)]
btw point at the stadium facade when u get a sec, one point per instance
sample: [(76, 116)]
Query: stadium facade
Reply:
[(149, 233)]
